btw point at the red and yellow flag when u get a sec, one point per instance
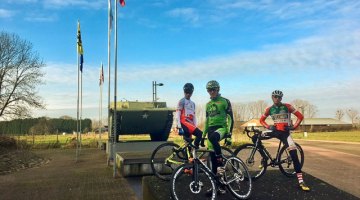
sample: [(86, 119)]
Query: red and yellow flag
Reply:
[(122, 3)]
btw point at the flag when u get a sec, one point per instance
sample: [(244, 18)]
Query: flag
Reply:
[(101, 79), (110, 15), (122, 3), (80, 47)]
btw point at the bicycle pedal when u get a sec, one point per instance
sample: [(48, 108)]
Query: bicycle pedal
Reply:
[(188, 171)]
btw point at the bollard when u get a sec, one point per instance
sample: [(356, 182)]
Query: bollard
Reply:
[(305, 134)]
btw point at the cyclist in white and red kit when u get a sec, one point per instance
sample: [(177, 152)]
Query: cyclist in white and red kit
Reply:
[(186, 118)]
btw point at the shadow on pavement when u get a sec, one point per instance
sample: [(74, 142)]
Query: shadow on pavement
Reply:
[(272, 185)]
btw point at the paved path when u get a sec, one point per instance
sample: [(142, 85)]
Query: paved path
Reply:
[(337, 163), (63, 178)]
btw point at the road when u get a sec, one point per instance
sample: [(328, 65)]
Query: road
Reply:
[(337, 163)]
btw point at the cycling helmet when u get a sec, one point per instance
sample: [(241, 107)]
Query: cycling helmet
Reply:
[(277, 93), (212, 85), (188, 88)]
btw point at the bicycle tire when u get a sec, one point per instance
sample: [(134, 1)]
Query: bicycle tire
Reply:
[(183, 187), (236, 176), (159, 167), (258, 165), (286, 165)]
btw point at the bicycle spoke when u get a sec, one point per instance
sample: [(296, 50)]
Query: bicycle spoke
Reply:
[(183, 185), (235, 173)]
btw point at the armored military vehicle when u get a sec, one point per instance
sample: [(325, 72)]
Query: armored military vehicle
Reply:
[(135, 117)]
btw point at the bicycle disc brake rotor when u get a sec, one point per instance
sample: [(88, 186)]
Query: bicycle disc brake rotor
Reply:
[(250, 162), (196, 187)]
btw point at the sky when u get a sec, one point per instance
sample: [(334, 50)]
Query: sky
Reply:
[(308, 49)]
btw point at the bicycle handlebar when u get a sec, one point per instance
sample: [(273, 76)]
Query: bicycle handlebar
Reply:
[(255, 131)]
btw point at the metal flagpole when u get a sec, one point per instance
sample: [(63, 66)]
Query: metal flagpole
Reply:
[(80, 110), (108, 108), (77, 109), (101, 88), (115, 93)]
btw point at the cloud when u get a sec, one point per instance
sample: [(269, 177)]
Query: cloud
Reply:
[(338, 51), (79, 4), (187, 14), (6, 13), (39, 17)]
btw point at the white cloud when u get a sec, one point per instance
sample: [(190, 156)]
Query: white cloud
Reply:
[(41, 17), (6, 13), (188, 14), (80, 4)]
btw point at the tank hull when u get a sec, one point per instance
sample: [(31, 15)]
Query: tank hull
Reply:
[(143, 118)]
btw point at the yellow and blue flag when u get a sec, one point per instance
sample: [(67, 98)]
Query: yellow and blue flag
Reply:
[(80, 47)]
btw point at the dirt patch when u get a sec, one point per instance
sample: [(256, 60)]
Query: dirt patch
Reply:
[(16, 160)]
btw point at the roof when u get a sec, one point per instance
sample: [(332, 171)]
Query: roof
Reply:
[(307, 121)]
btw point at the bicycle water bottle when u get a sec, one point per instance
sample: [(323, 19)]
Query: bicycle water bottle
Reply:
[(181, 131)]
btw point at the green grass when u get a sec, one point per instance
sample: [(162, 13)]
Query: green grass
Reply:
[(91, 140), (345, 136)]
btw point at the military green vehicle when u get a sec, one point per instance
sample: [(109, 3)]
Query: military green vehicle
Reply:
[(135, 117)]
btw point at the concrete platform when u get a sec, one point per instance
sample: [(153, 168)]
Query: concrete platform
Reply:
[(272, 186), (133, 158)]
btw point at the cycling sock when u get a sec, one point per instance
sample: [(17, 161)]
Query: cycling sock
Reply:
[(300, 177)]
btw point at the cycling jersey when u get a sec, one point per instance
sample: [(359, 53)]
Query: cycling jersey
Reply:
[(281, 115), (186, 114), (219, 114)]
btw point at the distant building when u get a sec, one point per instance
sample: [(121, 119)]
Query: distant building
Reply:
[(309, 124)]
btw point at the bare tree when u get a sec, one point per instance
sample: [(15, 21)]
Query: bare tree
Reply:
[(352, 114), (339, 114), (256, 108), (306, 108), (20, 74)]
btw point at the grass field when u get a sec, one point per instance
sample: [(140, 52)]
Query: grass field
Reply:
[(92, 139)]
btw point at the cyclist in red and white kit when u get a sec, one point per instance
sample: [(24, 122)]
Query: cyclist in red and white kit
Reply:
[(281, 115), (186, 118)]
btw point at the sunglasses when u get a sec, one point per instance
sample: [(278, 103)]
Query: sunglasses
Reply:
[(277, 97), (211, 90), (188, 92)]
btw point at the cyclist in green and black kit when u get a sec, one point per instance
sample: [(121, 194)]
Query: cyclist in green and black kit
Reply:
[(218, 125)]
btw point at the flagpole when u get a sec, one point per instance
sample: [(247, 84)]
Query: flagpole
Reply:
[(109, 53), (115, 93), (81, 88), (77, 109), (100, 107)]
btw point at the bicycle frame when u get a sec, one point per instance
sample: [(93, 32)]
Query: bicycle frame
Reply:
[(185, 146), (263, 151), (196, 162)]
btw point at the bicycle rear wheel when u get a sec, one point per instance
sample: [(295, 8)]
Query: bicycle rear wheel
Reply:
[(165, 159), (256, 164), (286, 164), (184, 186), (237, 178)]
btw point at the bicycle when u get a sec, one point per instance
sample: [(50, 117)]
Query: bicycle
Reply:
[(166, 157), (193, 179), (258, 158)]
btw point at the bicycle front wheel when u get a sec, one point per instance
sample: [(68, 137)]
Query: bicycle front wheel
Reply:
[(286, 163), (188, 184), (165, 159), (253, 159), (237, 178)]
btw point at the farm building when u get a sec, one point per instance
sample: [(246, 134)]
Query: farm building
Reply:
[(309, 124)]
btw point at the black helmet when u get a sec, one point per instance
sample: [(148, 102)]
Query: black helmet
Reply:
[(188, 88), (277, 93)]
